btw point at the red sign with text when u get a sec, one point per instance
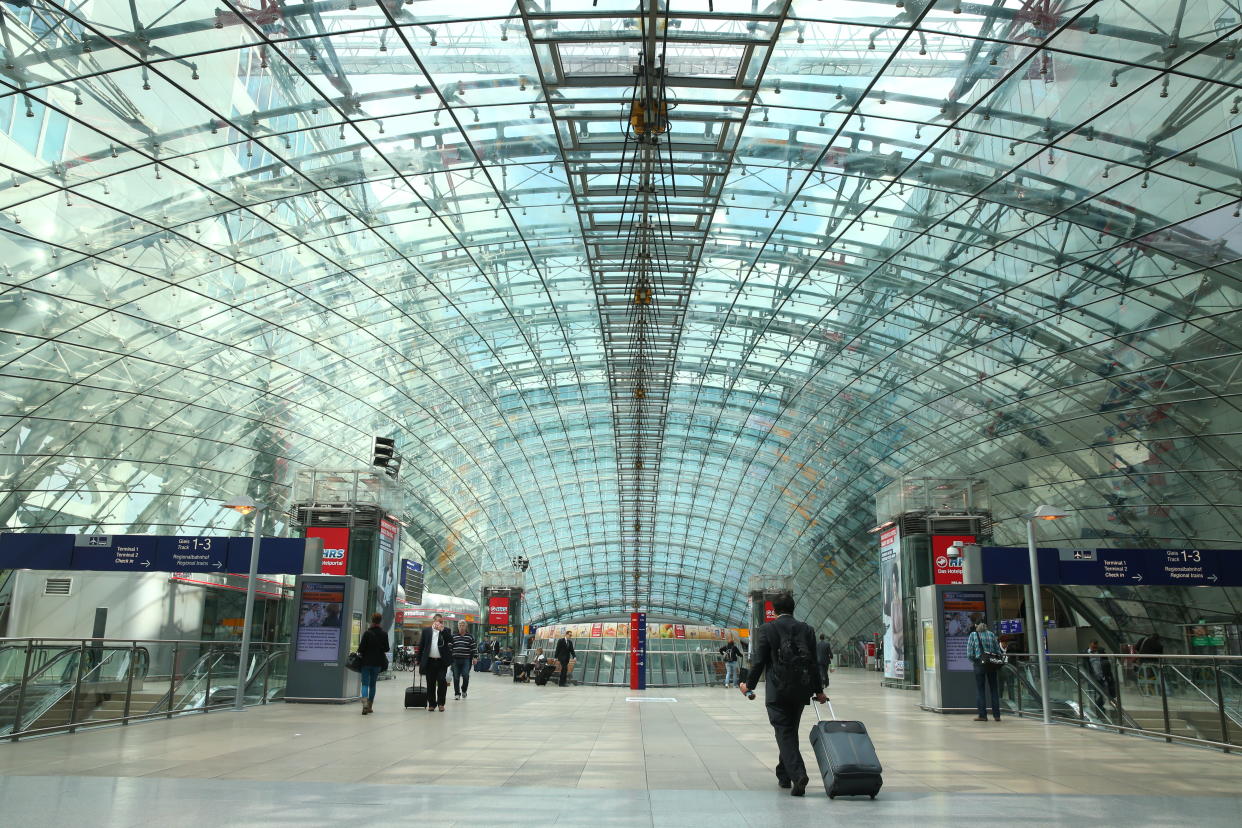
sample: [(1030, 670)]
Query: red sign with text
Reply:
[(335, 548), (943, 570), (769, 614), (498, 610)]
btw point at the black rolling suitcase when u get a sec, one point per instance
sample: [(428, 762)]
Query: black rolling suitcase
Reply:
[(846, 757), (543, 673), (416, 696)]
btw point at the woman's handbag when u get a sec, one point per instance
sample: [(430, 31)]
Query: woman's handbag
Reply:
[(353, 661)]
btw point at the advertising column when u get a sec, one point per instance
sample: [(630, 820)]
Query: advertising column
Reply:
[(638, 651), (892, 611), (386, 571)]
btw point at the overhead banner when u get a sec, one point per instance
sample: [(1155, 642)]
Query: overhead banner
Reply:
[(335, 548), (944, 569), (892, 614)]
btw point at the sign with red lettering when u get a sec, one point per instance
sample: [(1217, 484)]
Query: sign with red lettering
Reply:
[(944, 569), (769, 614), (679, 631), (335, 548), (498, 610)]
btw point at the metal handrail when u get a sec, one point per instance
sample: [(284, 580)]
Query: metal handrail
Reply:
[(1162, 664), (1211, 699), (133, 676)]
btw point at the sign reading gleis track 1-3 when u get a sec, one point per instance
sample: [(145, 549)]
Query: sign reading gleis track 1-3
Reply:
[(1127, 567)]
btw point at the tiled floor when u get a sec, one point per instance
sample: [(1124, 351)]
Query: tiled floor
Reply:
[(517, 754)]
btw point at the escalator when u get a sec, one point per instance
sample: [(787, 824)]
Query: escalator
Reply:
[(64, 685)]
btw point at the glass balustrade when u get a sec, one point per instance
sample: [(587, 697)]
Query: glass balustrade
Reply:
[(49, 686)]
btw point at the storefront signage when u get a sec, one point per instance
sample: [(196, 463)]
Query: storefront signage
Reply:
[(335, 548)]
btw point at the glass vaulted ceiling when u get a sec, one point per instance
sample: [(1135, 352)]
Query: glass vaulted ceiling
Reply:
[(996, 239)]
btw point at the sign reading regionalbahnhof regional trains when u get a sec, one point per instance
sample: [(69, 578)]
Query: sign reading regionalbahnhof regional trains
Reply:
[(1070, 566)]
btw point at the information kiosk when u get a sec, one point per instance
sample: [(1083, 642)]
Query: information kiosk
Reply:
[(947, 615), (329, 625)]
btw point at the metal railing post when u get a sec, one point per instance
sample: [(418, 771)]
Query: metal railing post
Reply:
[(1020, 677), (172, 680), (21, 692), (1220, 708), (267, 676), (1121, 711), (207, 693), (1078, 683), (1164, 704), (77, 688), (129, 682)]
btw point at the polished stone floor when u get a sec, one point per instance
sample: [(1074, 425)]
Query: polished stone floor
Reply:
[(519, 754)]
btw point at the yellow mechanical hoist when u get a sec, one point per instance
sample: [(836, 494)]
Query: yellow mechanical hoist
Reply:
[(644, 126)]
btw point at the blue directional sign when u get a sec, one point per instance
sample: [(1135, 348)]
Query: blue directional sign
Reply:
[(1125, 567), (28, 550), (277, 556), (115, 553), (148, 553), (180, 553)]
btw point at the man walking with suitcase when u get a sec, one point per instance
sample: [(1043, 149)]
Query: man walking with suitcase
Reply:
[(785, 648)]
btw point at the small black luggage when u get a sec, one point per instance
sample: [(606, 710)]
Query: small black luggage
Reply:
[(846, 757), (483, 664), (416, 696), (543, 673)]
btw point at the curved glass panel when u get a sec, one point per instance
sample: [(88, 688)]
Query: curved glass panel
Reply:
[(986, 239)]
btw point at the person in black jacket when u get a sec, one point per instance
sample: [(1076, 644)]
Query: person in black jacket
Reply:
[(435, 653), (788, 689), (372, 649), (563, 653)]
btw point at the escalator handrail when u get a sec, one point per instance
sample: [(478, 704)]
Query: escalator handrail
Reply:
[(1191, 682)]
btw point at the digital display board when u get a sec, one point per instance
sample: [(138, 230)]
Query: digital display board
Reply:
[(320, 621), (961, 609)]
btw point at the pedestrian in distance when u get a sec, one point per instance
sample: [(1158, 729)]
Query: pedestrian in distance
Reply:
[(823, 655), (563, 654), (435, 654), (372, 649), (732, 657), (981, 641), (1102, 672), (463, 660), (785, 649)]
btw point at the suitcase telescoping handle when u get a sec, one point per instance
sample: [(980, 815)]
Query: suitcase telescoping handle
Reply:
[(815, 707)]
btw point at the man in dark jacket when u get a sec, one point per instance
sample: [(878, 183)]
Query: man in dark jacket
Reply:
[(563, 653), (823, 654), (372, 648), (435, 653), (789, 687)]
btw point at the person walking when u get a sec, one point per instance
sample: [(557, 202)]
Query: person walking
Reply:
[(981, 641), (372, 648), (563, 654), (435, 653), (1101, 668), (732, 657), (823, 655), (785, 649), (463, 659)]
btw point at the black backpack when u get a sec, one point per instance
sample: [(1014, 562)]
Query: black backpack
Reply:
[(791, 669)]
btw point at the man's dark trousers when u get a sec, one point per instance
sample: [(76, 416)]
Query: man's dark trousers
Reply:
[(436, 675), (785, 719)]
